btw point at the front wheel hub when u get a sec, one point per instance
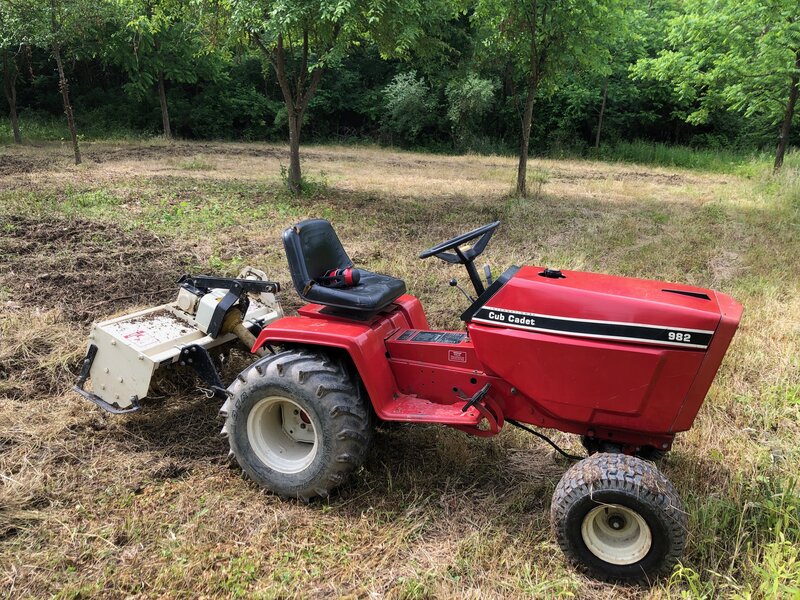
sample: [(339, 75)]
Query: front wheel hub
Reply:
[(616, 534)]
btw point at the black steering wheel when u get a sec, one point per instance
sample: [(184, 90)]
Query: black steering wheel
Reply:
[(452, 244), (465, 257)]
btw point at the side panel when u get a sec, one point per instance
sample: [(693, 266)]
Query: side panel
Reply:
[(363, 341), (443, 368), (592, 382)]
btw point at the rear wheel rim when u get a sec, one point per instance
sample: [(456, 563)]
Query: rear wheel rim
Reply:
[(616, 534), (282, 434)]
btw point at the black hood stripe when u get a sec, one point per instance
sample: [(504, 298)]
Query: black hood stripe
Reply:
[(609, 330)]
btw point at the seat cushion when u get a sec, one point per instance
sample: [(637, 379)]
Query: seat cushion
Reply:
[(373, 292)]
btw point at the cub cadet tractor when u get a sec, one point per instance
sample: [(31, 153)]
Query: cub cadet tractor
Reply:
[(625, 363)]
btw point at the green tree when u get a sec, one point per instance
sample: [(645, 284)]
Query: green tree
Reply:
[(546, 40), (12, 45), (61, 27), (300, 39), (166, 40), (742, 55)]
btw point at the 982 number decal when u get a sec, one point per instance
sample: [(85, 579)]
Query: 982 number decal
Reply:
[(678, 336)]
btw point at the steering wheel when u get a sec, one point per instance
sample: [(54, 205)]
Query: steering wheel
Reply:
[(440, 250), (467, 258)]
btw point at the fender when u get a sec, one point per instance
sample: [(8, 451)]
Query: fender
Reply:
[(364, 341)]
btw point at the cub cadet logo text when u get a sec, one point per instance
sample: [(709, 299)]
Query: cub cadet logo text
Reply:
[(512, 318)]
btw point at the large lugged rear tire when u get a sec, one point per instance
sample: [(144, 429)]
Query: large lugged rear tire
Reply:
[(297, 423), (617, 518)]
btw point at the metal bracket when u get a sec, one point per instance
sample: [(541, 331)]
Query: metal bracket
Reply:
[(91, 397), (199, 359), (105, 405), (228, 300), (237, 291), (206, 282), (87, 365)]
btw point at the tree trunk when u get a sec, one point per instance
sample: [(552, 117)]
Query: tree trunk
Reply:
[(63, 85), (788, 115), (527, 120), (10, 73), (295, 176), (602, 113), (296, 100), (162, 98)]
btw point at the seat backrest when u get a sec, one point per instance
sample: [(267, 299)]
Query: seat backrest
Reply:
[(312, 249)]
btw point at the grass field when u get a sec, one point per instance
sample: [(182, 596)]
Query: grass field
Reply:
[(94, 505)]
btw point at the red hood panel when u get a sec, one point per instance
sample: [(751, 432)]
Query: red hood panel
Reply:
[(608, 298)]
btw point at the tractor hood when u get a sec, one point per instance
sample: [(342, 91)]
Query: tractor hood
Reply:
[(599, 306), (616, 352)]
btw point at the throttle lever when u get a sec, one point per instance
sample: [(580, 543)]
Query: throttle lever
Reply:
[(454, 283)]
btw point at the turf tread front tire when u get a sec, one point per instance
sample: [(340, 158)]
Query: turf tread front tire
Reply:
[(332, 400), (608, 478)]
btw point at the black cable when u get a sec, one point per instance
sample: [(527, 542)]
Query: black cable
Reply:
[(546, 439)]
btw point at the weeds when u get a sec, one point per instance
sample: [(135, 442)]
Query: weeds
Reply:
[(197, 163), (310, 186)]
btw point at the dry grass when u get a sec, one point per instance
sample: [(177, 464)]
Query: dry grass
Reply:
[(144, 505)]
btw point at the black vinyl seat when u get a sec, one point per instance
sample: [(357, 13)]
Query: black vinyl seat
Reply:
[(313, 249)]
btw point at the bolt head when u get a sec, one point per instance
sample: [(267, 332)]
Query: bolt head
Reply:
[(616, 522)]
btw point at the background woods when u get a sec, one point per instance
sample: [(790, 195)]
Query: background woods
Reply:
[(487, 76)]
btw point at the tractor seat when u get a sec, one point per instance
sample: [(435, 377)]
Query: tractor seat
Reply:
[(313, 249)]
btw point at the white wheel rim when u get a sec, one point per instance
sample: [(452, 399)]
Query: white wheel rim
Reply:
[(616, 534), (282, 435)]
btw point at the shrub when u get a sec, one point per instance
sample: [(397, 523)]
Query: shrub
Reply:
[(468, 100), (409, 105)]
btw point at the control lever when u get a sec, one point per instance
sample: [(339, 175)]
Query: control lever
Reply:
[(454, 283), (477, 397), (487, 271)]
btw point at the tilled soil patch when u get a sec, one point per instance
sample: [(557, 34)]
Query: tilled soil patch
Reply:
[(86, 268), (102, 155), (12, 165)]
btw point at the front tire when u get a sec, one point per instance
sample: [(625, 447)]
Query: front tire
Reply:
[(297, 423), (617, 518)]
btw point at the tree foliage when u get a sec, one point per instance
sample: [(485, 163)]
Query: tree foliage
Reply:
[(484, 75), (469, 98), (546, 41), (732, 54)]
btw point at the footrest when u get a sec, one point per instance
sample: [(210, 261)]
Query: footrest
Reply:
[(413, 409)]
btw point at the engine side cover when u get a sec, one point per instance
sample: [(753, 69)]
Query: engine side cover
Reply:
[(614, 351)]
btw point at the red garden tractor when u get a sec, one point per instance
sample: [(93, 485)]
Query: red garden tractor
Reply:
[(625, 363)]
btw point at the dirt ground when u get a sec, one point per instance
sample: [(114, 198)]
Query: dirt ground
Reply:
[(45, 261), (146, 505)]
